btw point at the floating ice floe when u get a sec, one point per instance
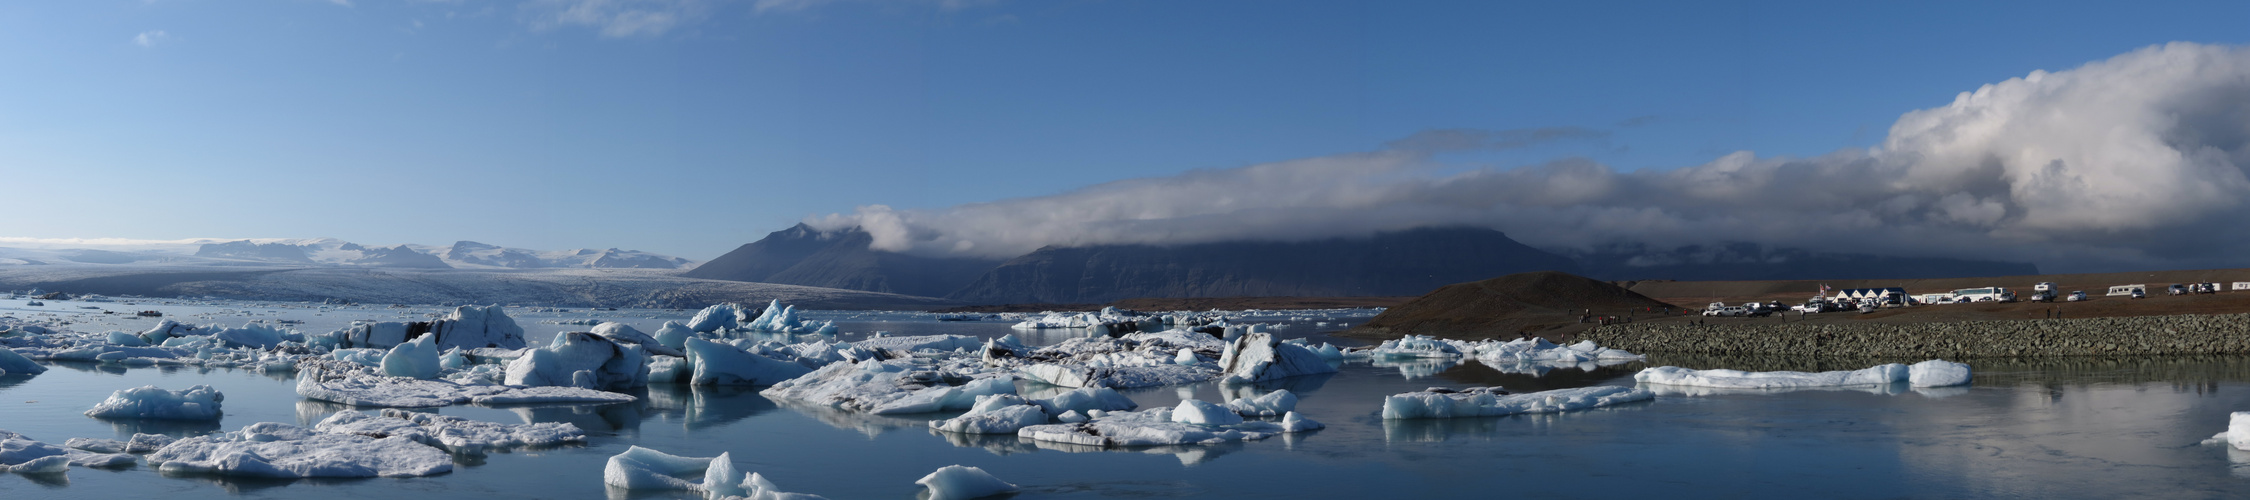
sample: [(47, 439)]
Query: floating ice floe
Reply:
[(1492, 401), (581, 359), (1007, 413), (200, 402), (1259, 356), (646, 469), (713, 363), (452, 433), (2237, 434), (275, 450), (1193, 422), (1413, 346), (359, 389), (718, 317), (1932, 373), (1146, 359), (23, 455), (893, 386), (140, 443), (955, 482), (625, 334), (12, 363), (995, 414), (1279, 402), (418, 358), (468, 327), (1539, 352)]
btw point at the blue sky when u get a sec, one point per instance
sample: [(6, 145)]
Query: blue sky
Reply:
[(690, 127)]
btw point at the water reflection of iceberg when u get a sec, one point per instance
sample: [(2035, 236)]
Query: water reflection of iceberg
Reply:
[(866, 423), (1187, 454), (611, 418), (703, 406), (997, 444), (1414, 368), (176, 428)]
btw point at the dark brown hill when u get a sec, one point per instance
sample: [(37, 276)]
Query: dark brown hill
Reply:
[(805, 256), (1536, 302)]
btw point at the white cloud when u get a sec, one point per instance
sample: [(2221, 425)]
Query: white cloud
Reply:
[(2137, 160), (151, 38), (617, 18)]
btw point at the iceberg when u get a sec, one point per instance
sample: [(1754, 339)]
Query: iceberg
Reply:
[(1492, 401), (955, 482), (141, 443), (1414, 346), (994, 414), (1932, 373), (12, 363), (275, 450), (625, 334), (581, 359), (886, 386), (1274, 403), (457, 434), (200, 402), (1158, 427), (468, 327), (714, 363), (1086, 400), (673, 335), (397, 392), (413, 359), (22, 455), (717, 317), (1259, 356), (255, 335), (645, 469), (2237, 434), (1195, 411)]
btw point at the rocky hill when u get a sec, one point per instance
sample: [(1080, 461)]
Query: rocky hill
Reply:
[(805, 256), (1535, 302)]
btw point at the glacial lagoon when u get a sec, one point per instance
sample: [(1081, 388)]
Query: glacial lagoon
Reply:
[(2065, 428)]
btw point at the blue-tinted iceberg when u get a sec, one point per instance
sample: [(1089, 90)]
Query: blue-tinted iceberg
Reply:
[(196, 403), (1492, 401)]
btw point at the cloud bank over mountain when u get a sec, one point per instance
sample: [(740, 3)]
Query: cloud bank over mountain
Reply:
[(2134, 161)]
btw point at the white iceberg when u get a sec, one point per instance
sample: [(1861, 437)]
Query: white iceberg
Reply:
[(275, 450), (717, 317), (141, 443), (1932, 373), (994, 414), (1491, 401), (887, 386), (646, 469), (673, 335), (1259, 356), (581, 359), (1086, 400), (453, 433), (714, 363), (24, 455), (398, 392), (955, 482), (2237, 434), (1157, 427), (12, 363), (200, 402), (1278, 402), (625, 334), (1195, 411), (418, 358)]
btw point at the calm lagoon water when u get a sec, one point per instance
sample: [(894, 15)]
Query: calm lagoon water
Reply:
[(2080, 428)]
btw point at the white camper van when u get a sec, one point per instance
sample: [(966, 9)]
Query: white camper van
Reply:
[(2128, 290), (1987, 294)]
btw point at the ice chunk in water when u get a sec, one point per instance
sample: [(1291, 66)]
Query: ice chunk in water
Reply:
[(1259, 356), (722, 364), (414, 359), (994, 414), (1937, 373), (673, 335), (274, 450), (10, 362), (1270, 404), (717, 317), (955, 482), (611, 364), (1194, 411), (196, 403), (1737, 379), (645, 469)]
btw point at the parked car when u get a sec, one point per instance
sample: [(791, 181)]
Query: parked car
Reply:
[(2076, 296), (2139, 294), (2176, 289), (2043, 296)]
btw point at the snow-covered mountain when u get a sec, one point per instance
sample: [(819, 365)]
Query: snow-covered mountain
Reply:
[(325, 252)]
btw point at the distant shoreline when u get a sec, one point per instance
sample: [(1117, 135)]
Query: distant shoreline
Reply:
[(1194, 304)]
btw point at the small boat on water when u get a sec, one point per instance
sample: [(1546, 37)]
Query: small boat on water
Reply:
[(149, 314)]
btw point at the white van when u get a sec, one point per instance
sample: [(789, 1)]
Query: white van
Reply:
[(2128, 290)]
